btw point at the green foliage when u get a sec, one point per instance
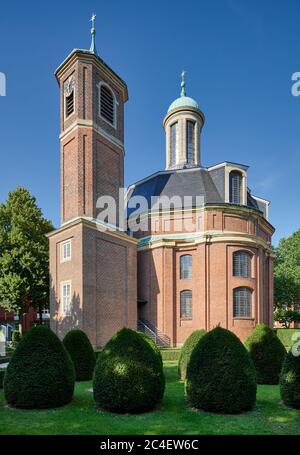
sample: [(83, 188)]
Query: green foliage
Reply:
[(40, 373), (24, 256), (287, 336), (287, 279), (285, 316), (267, 353), (153, 346), (221, 377), (2, 373), (169, 354), (16, 336), (290, 379), (187, 350), (129, 374), (82, 354)]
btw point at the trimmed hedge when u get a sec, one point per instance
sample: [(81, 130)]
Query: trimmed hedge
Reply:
[(221, 377), (40, 374), (170, 354), (2, 373), (267, 353), (187, 350), (286, 335), (129, 375), (153, 346), (290, 380), (82, 354)]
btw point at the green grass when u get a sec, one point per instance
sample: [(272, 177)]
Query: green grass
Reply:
[(173, 417)]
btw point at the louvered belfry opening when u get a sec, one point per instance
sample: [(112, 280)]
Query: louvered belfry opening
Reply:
[(70, 104), (107, 104)]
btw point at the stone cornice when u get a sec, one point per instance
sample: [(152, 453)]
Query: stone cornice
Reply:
[(81, 123), (208, 237), (94, 224), (89, 57)]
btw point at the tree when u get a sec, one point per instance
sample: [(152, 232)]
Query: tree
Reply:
[(24, 253), (220, 375), (267, 353), (287, 280), (40, 374)]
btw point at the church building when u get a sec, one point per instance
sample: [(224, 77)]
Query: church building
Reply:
[(196, 254)]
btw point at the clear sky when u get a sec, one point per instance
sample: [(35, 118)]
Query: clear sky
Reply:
[(239, 56)]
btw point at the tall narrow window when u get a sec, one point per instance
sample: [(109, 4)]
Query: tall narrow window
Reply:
[(186, 267), (241, 264), (70, 104), (66, 298), (107, 105), (242, 303), (65, 251), (235, 187), (173, 143), (190, 141), (186, 305)]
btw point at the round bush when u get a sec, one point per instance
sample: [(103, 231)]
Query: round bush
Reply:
[(153, 346), (186, 351), (267, 353), (290, 380), (129, 375), (40, 373), (221, 377), (82, 354)]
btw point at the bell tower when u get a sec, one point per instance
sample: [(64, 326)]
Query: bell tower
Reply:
[(92, 98), (92, 264)]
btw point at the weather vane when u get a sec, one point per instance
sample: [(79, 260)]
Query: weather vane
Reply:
[(183, 73), (93, 32)]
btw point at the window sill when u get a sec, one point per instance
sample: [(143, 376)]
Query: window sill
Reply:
[(237, 318)]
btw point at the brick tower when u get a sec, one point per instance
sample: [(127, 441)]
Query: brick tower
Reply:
[(92, 269)]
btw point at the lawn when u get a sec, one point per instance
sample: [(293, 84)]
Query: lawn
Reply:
[(173, 417)]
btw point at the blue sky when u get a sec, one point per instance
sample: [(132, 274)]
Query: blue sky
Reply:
[(239, 55)]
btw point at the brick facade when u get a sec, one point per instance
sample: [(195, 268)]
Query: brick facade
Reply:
[(101, 272)]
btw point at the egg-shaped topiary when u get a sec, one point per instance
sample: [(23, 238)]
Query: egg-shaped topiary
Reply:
[(128, 375), (267, 353), (290, 379), (40, 373), (186, 351), (221, 377), (82, 354)]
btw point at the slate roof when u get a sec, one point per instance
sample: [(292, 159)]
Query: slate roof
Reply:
[(184, 182)]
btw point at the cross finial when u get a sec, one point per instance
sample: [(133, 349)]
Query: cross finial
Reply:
[(183, 73), (93, 32)]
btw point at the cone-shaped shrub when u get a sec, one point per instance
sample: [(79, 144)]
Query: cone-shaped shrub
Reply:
[(186, 351), (267, 353), (221, 377), (290, 380), (153, 346), (82, 354), (40, 373), (128, 376)]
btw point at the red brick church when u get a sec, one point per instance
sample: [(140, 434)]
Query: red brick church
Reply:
[(196, 252)]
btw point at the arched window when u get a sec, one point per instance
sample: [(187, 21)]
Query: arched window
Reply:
[(241, 264), (107, 104), (190, 141), (235, 187), (173, 143), (186, 305), (186, 267), (242, 298)]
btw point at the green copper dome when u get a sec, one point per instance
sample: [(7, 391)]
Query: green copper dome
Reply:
[(183, 101)]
